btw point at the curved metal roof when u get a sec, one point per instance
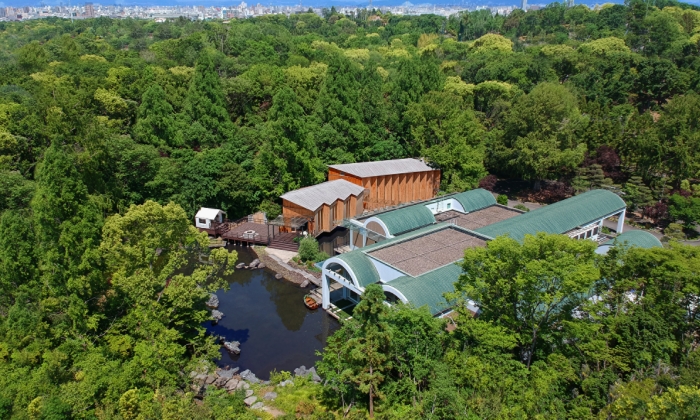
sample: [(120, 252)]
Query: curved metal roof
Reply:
[(407, 218), (638, 238), (361, 266), (429, 288), (560, 217), (475, 199)]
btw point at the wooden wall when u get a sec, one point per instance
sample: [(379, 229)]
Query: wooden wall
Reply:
[(324, 216), (290, 210), (391, 190)]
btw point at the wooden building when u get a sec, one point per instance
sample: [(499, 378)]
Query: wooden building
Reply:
[(319, 208), (390, 182)]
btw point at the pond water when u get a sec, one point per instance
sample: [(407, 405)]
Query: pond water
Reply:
[(268, 317)]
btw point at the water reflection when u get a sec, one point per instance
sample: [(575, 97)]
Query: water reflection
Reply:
[(268, 317)]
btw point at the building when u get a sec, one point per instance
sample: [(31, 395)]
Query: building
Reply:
[(414, 256), (390, 182), (523, 4), (207, 220), (320, 208), (89, 10)]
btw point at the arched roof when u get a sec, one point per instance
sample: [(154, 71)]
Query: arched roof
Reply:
[(428, 289), (560, 217), (475, 199), (361, 266), (407, 218), (638, 238)]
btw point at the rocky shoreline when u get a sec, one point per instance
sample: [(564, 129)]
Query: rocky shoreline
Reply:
[(232, 381)]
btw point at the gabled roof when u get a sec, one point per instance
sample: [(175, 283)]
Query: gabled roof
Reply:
[(313, 197), (383, 167), (207, 213), (559, 217), (407, 218), (638, 238), (475, 199), (428, 289)]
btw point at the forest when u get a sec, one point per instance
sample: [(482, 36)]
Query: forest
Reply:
[(114, 132)]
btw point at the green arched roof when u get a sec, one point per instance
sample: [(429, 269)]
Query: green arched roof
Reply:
[(636, 238), (359, 263), (560, 217), (405, 219), (428, 289), (475, 199)]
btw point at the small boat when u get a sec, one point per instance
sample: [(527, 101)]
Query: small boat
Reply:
[(310, 302)]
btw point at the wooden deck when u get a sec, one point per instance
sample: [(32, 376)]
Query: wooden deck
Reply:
[(250, 233)]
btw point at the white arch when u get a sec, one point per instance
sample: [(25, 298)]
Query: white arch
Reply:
[(379, 221), (353, 277), (394, 291)]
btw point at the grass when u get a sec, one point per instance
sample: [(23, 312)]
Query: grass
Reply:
[(289, 397)]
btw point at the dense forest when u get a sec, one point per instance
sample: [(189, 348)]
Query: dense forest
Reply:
[(114, 132)]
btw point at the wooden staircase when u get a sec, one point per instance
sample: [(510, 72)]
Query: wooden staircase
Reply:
[(285, 241)]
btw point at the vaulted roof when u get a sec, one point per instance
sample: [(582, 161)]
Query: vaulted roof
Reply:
[(383, 167), (560, 217), (475, 199), (407, 218), (636, 238)]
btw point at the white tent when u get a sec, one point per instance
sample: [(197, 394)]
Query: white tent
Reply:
[(205, 216)]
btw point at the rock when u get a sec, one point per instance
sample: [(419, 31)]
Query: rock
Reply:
[(246, 267), (213, 301), (270, 396), (217, 315), (254, 263), (227, 373), (221, 381), (196, 388), (249, 376), (210, 379), (304, 284), (200, 378), (288, 382), (248, 393), (240, 265), (314, 375), (232, 384), (233, 347), (300, 371), (262, 265), (258, 406), (278, 276), (250, 400)]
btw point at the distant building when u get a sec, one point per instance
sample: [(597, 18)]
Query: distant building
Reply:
[(89, 10), (523, 4), (570, 3)]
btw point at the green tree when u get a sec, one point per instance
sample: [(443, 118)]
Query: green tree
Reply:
[(686, 209), (540, 282), (155, 123)]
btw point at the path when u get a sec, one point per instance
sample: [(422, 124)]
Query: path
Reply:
[(282, 258)]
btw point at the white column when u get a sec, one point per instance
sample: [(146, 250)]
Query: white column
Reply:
[(621, 221), (326, 291)]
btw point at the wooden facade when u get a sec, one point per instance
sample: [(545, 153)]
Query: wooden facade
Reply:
[(326, 217), (391, 190)]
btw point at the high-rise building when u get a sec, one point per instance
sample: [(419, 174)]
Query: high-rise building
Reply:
[(570, 3), (523, 4), (89, 10)]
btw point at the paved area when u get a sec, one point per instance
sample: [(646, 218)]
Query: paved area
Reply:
[(282, 255)]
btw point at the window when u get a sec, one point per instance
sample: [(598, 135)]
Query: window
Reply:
[(449, 205), (202, 221), (352, 295), (595, 230), (588, 234)]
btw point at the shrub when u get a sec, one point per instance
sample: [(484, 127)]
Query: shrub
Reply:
[(674, 231), (521, 207), (308, 249), (281, 376), (488, 182), (502, 199)]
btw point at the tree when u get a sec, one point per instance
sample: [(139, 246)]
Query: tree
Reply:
[(530, 287), (155, 123), (686, 209), (206, 120)]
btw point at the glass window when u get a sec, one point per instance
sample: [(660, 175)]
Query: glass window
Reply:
[(449, 205), (202, 221), (595, 230), (588, 234)]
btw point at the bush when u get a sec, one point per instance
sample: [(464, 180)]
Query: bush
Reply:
[(308, 249), (502, 199), (674, 231), (488, 183), (281, 376), (521, 207)]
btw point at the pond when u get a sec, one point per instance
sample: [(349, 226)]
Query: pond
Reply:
[(268, 317)]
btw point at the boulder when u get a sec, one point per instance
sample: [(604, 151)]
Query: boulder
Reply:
[(196, 388), (232, 384), (262, 265), (257, 406), (249, 376), (314, 375), (304, 284), (221, 381), (254, 263), (213, 301), (250, 400), (288, 382), (240, 265), (270, 396), (200, 378), (278, 276), (210, 379), (248, 393), (300, 371), (227, 373), (233, 347), (217, 315)]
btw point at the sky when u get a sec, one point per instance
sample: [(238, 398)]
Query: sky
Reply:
[(310, 3)]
